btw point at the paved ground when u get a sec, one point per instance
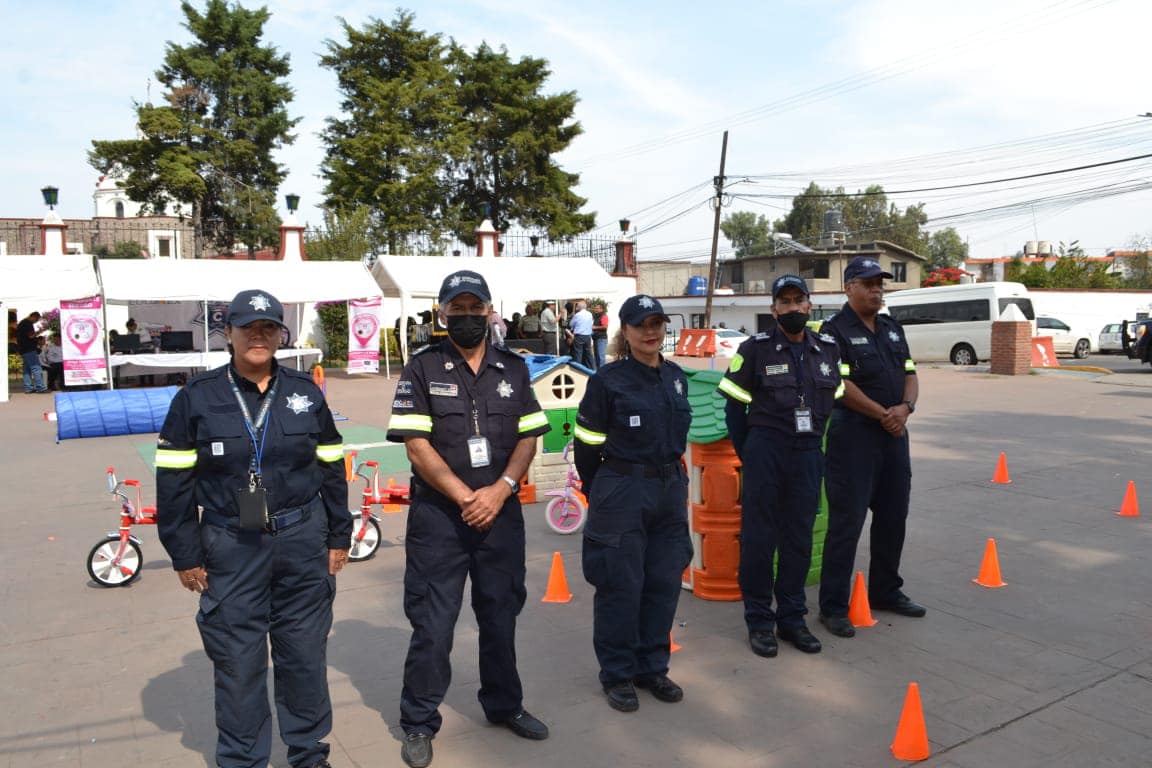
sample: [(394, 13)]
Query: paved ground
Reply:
[(1053, 670)]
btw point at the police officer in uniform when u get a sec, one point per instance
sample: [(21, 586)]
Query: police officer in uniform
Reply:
[(254, 447), (466, 413), (631, 432), (868, 461), (780, 387)]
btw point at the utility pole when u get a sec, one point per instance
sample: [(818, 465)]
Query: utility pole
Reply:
[(718, 182)]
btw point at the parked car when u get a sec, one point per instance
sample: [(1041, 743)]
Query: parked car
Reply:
[(1110, 341), (728, 341), (1065, 340)]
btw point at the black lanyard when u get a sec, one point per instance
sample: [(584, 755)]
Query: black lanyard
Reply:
[(463, 377), (254, 428)]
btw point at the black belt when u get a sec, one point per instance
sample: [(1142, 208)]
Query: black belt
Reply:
[(663, 471), (282, 520)]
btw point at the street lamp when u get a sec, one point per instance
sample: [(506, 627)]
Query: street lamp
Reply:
[(51, 196), (293, 202), (624, 224), (535, 241)]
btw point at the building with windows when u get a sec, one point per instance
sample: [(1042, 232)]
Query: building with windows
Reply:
[(822, 268)]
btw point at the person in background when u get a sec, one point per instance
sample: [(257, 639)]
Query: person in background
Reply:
[(581, 331), (549, 328), (252, 508), (53, 359), (499, 329), (631, 433), (514, 326), (600, 335), (28, 347), (530, 323)]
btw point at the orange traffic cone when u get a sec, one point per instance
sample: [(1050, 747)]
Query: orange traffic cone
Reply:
[(672, 647), (349, 465), (990, 568), (391, 507), (859, 612), (911, 742), (1001, 474), (557, 583), (1130, 507)]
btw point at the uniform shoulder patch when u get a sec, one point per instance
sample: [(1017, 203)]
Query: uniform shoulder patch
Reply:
[(424, 349), (761, 336), (827, 338)]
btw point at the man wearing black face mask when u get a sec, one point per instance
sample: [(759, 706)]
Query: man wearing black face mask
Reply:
[(465, 411), (780, 387)]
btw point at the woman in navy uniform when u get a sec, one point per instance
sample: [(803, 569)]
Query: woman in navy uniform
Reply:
[(465, 411), (780, 387), (254, 446), (631, 432), (869, 466)]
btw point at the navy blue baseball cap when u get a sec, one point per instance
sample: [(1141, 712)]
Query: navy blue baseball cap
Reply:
[(251, 306), (465, 281), (788, 281), (637, 309), (864, 267)]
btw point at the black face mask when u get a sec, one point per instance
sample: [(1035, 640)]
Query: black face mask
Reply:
[(468, 331), (793, 322)]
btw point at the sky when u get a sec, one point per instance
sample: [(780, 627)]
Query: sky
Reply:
[(846, 93)]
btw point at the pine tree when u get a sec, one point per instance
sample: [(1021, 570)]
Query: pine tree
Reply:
[(211, 144)]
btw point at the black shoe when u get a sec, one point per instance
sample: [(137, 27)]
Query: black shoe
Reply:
[(321, 764), (622, 697), (902, 605), (801, 638), (417, 750), (661, 687), (838, 625), (526, 726), (763, 642)]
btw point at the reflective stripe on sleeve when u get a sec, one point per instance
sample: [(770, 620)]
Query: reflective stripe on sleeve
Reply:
[(735, 391), (533, 421), (413, 421), (909, 366), (845, 369), (839, 393), (589, 437), (169, 459), (333, 452)]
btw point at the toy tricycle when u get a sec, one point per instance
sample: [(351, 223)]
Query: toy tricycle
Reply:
[(116, 561), (365, 523)]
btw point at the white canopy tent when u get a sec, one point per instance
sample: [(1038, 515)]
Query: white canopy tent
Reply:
[(33, 282), (513, 281), (29, 283)]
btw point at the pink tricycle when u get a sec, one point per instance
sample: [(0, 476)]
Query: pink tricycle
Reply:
[(567, 511), (115, 561)]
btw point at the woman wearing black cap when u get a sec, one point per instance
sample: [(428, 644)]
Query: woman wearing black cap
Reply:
[(255, 448), (631, 432)]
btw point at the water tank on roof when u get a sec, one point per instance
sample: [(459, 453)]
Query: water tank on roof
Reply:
[(1044, 248), (1030, 248), (833, 221), (697, 286)]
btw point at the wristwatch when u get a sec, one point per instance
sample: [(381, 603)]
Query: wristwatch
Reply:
[(515, 486), (911, 405)]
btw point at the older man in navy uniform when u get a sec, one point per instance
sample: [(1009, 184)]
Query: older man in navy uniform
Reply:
[(780, 388), (868, 460), (466, 413)]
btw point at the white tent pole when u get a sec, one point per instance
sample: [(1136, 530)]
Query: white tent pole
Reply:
[(104, 320), (207, 325), (299, 333), (4, 383), (403, 332), (384, 330)]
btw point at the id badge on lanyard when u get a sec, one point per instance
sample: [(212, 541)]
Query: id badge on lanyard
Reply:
[(479, 449), (252, 502), (803, 417)]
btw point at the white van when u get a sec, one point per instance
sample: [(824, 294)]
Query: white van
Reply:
[(954, 322)]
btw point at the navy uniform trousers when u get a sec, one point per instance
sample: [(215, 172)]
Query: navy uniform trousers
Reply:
[(442, 550), (262, 585), (636, 547), (778, 507), (867, 468)]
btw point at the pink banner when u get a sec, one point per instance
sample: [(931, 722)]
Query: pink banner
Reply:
[(82, 338), (364, 335)]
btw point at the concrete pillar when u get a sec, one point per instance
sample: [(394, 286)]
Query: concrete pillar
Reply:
[(486, 238), (625, 258), (52, 234), (291, 239)]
